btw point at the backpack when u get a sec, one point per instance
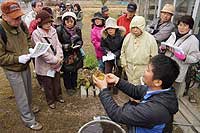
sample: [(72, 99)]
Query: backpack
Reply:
[(3, 33)]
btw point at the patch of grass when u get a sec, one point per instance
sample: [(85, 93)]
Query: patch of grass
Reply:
[(90, 61)]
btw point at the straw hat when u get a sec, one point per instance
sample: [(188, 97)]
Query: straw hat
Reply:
[(169, 8)]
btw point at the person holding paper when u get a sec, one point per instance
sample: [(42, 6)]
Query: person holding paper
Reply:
[(188, 50), (138, 48), (111, 42), (70, 36), (15, 59), (48, 65)]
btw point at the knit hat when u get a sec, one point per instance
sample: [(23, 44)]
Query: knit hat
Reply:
[(98, 15), (132, 7), (44, 17), (104, 9), (187, 20), (169, 8), (71, 14), (139, 22), (11, 8)]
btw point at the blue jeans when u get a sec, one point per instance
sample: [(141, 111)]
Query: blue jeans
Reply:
[(101, 65)]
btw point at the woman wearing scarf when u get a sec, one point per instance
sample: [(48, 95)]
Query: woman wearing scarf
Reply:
[(70, 37)]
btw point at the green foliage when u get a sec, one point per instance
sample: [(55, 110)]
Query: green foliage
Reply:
[(90, 62)]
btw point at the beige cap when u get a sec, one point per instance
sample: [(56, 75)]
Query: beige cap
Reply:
[(169, 8)]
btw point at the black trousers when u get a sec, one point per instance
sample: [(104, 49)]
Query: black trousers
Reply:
[(70, 79), (52, 87)]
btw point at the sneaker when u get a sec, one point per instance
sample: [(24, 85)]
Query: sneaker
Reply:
[(36, 126), (52, 106), (61, 101), (35, 109)]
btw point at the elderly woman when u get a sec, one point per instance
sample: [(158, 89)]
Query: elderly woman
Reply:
[(48, 65), (188, 52), (137, 49)]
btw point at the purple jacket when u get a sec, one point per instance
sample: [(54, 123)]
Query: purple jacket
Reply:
[(96, 41)]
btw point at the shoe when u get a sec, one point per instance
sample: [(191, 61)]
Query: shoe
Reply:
[(70, 92), (52, 106), (35, 109), (61, 100), (42, 89), (36, 126)]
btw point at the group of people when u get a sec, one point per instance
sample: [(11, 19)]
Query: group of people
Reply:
[(65, 53), (137, 48), (156, 72)]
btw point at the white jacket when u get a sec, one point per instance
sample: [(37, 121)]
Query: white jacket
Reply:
[(190, 45)]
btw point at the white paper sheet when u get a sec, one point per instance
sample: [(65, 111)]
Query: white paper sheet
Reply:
[(172, 46), (40, 49), (108, 57)]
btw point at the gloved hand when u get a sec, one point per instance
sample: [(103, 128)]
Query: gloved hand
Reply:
[(179, 55), (24, 58), (30, 50)]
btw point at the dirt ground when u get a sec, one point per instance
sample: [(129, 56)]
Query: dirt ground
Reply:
[(67, 117)]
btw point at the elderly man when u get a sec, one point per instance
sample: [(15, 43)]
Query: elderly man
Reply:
[(162, 27), (105, 12), (125, 19), (36, 7), (137, 49), (15, 58)]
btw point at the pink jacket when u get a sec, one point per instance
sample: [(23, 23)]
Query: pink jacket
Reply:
[(96, 41), (47, 61)]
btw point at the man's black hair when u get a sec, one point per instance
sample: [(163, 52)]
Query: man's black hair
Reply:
[(165, 69), (34, 2)]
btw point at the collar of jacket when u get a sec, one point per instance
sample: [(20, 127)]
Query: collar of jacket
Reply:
[(183, 37), (150, 93), (9, 28), (50, 33)]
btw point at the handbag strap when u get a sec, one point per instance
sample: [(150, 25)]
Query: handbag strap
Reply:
[(54, 51)]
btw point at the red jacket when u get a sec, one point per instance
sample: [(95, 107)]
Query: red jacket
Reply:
[(33, 26), (125, 22)]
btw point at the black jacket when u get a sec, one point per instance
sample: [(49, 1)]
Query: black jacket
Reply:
[(68, 42), (113, 44), (155, 110)]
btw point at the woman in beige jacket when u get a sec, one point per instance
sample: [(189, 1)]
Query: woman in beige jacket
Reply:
[(137, 49)]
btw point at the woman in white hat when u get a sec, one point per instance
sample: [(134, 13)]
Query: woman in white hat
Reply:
[(112, 39), (70, 37)]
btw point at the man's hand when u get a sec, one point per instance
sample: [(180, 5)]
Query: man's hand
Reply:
[(101, 84), (112, 79), (24, 58)]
